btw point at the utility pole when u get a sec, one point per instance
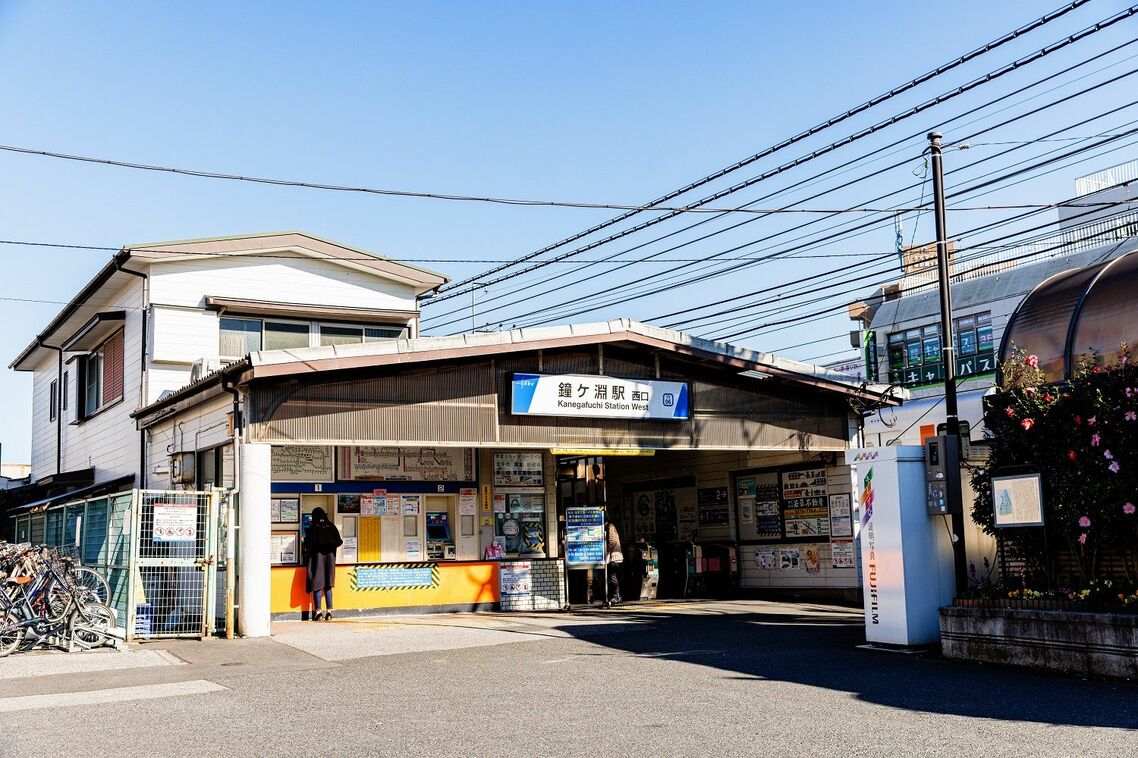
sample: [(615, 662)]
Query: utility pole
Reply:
[(948, 349)]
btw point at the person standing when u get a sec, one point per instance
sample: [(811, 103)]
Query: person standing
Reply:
[(320, 543), (615, 558)]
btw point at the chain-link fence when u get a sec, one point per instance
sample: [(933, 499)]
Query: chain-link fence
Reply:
[(165, 554)]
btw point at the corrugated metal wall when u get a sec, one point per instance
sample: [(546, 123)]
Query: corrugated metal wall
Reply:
[(468, 404)]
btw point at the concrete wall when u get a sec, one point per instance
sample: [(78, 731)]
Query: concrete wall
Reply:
[(1085, 644)]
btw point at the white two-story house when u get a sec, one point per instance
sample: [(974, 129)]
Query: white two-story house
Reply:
[(160, 316)]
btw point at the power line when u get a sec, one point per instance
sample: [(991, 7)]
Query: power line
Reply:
[(454, 290), (871, 103)]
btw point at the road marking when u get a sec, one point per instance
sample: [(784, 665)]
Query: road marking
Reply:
[(116, 695)]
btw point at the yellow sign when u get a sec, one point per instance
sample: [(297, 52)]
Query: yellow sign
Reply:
[(600, 451), (486, 498)]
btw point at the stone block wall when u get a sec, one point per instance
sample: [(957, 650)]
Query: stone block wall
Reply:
[(547, 586)]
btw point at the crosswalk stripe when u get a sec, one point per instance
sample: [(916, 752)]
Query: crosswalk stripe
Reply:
[(116, 695)]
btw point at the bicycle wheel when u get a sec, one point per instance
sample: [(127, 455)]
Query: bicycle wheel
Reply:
[(96, 587), (92, 625), (11, 634)]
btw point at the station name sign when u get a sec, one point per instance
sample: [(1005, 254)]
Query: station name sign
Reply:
[(592, 396)]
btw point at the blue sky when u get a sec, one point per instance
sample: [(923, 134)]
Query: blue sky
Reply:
[(612, 102)]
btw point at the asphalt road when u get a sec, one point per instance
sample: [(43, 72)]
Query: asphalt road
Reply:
[(742, 678)]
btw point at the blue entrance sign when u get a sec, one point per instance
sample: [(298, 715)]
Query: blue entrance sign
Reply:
[(584, 537)]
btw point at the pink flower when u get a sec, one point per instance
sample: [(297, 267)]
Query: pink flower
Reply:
[(1027, 424), (1129, 392), (1030, 390), (1114, 467), (1083, 539), (1084, 522), (1011, 413), (1128, 509), (1130, 416), (1108, 455), (1124, 359), (1033, 361), (1091, 421), (1095, 439)]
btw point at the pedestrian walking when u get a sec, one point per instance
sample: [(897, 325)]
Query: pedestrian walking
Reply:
[(615, 558), (320, 543)]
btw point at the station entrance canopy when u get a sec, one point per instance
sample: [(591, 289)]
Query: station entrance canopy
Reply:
[(614, 385)]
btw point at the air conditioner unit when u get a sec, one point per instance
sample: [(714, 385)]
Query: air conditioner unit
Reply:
[(182, 468), (203, 367)]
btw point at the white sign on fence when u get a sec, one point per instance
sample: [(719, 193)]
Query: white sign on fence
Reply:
[(175, 522), (516, 578)]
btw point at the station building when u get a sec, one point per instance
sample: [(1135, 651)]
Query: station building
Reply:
[(447, 463)]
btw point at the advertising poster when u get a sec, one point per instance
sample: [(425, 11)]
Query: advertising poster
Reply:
[(584, 537), (804, 483), (410, 504), (499, 503), (768, 520), (808, 517), (347, 503), (789, 559), (811, 559), (841, 519), (285, 510), (175, 522), (467, 501), (644, 515), (746, 510), (518, 470), (765, 559), (842, 554)]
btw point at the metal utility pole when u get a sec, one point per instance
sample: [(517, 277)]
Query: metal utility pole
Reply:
[(948, 348)]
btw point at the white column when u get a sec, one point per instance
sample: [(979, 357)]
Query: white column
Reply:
[(254, 576)]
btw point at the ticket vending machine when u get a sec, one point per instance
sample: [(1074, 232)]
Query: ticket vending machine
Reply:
[(907, 569), (440, 539)]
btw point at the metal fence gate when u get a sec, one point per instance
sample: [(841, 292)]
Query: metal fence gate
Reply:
[(175, 564)]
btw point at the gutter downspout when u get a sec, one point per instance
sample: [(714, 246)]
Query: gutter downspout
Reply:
[(120, 259), (231, 516)]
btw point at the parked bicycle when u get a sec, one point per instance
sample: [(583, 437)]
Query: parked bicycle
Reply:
[(49, 599)]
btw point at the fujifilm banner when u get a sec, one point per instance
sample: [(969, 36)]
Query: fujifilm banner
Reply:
[(590, 396)]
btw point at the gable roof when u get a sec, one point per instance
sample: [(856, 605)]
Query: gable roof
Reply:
[(91, 299)]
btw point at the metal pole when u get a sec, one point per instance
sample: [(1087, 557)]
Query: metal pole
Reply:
[(948, 348)]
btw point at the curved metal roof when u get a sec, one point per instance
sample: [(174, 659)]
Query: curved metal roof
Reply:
[(1074, 313)]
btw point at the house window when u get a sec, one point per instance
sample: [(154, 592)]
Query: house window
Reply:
[(102, 376), (337, 334), (66, 389), (53, 400), (240, 336)]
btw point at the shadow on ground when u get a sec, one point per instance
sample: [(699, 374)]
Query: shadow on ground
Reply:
[(819, 649)]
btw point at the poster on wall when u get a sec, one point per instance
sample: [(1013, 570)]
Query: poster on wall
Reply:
[(518, 469), (789, 559), (768, 521), (407, 464), (811, 559), (765, 559), (584, 537), (804, 483), (644, 514), (746, 510), (350, 550), (284, 510), (842, 554), (841, 519), (688, 512), (807, 517), (713, 505), (348, 503), (302, 463), (467, 501), (409, 504), (283, 548)]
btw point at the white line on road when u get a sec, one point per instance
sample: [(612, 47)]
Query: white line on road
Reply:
[(117, 695)]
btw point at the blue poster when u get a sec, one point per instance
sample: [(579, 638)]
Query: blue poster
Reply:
[(584, 536)]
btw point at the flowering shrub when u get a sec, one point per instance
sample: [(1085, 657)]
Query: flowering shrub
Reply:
[(1082, 436)]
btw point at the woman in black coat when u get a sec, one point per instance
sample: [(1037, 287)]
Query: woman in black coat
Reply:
[(320, 543)]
